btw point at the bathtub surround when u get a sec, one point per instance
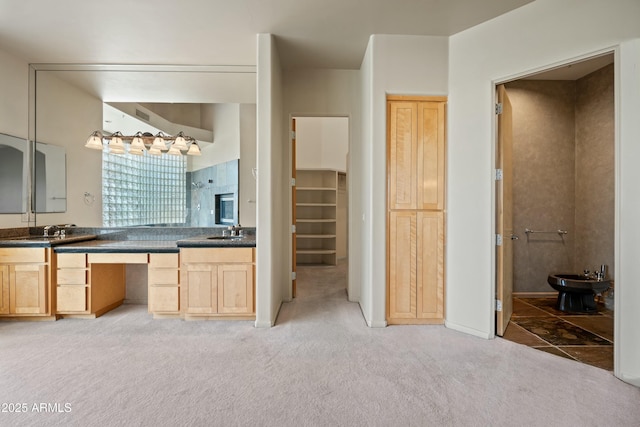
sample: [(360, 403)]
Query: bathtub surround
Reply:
[(563, 156)]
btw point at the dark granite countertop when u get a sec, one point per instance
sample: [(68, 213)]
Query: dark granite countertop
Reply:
[(248, 241), (137, 240), (42, 241)]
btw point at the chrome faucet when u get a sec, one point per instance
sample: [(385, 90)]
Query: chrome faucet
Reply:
[(55, 228), (235, 230)]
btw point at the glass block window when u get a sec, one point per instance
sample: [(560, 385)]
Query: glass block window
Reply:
[(143, 190)]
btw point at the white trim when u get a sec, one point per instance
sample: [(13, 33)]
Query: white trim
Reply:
[(469, 331), (615, 49)]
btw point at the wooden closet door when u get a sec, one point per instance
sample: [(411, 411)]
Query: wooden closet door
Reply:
[(430, 155), (402, 265), (430, 265), (402, 151)]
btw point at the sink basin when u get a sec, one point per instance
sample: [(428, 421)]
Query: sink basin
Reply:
[(224, 237)]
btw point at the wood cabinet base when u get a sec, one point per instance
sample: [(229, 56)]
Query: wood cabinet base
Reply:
[(93, 315)]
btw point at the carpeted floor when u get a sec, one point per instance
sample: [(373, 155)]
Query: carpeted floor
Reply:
[(319, 366)]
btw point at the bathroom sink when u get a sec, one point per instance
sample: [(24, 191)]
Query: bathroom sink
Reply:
[(224, 237)]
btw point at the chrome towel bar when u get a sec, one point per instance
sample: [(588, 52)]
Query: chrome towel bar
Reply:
[(528, 231)]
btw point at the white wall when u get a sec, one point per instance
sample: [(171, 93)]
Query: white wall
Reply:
[(401, 65), (226, 138), (247, 163), (322, 142), (272, 278), (66, 116), (536, 36), (14, 120), (331, 92)]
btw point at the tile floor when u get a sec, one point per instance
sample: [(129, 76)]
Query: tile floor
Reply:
[(587, 338)]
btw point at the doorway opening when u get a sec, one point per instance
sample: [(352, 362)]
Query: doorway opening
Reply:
[(320, 147), (555, 191)]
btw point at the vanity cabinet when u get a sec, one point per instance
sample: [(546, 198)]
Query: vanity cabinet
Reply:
[(218, 282), (23, 287), (164, 284), (415, 209), (72, 291), (87, 285)]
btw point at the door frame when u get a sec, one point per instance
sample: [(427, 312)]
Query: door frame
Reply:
[(615, 50), (292, 163)]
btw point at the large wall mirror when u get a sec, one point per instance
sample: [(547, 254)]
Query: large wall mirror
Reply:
[(14, 174), (215, 105)]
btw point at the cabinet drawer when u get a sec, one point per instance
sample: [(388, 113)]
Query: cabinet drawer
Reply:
[(72, 299), (217, 255), (72, 260), (163, 299), (72, 276), (163, 260), (117, 258), (11, 255), (164, 276)]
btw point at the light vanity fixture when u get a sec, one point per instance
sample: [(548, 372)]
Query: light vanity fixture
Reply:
[(156, 145)]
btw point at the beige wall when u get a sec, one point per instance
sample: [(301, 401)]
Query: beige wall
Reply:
[(14, 121), (563, 157), (595, 176), (66, 116), (543, 180)]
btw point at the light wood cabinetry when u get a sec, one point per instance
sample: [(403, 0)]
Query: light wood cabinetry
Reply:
[(415, 209), (86, 288), (72, 284), (321, 216), (218, 282), (24, 282), (164, 284)]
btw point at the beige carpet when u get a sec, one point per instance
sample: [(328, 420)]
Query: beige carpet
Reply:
[(320, 366)]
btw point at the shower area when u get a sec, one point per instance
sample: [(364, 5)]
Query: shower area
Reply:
[(563, 177), (212, 195)]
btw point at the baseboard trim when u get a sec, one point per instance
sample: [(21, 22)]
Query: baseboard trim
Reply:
[(269, 323), (467, 330), (535, 294), (377, 323)]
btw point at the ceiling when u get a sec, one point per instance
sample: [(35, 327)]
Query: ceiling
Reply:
[(308, 34)]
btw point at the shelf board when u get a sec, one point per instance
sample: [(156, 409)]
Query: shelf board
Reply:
[(329, 205), (305, 220), (315, 236), (316, 188), (315, 251)]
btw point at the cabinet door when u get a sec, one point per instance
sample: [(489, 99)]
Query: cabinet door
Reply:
[(430, 155), (402, 154), (72, 299), (201, 285), (4, 289), (164, 299), (235, 288), (402, 265), (27, 293), (430, 265)]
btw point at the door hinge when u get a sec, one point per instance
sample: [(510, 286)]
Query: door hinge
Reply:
[(293, 275), (499, 108), (498, 239), (498, 174), (293, 182), (293, 228), (498, 305), (293, 134)]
